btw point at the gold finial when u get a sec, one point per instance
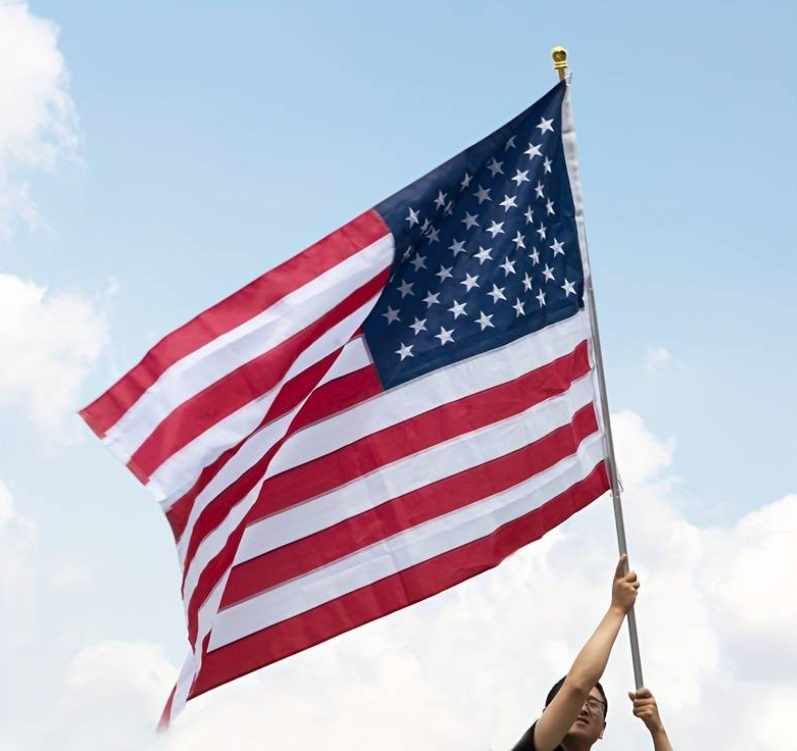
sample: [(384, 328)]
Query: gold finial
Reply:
[(559, 55)]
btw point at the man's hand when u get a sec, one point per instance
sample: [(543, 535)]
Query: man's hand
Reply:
[(624, 588), (645, 708)]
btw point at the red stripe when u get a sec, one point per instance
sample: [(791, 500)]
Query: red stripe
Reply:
[(239, 387), (238, 308), (163, 723), (394, 592), (441, 497), (418, 433)]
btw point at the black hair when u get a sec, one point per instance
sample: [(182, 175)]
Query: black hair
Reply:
[(555, 690)]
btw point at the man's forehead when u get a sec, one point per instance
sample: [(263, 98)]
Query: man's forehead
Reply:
[(596, 693)]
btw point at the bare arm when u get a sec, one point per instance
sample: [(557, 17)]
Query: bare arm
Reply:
[(647, 710), (589, 665)]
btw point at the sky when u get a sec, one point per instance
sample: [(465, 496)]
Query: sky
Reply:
[(154, 157)]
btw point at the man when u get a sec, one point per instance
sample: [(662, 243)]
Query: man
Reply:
[(574, 717)]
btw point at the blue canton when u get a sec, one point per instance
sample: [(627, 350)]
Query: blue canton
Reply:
[(486, 250)]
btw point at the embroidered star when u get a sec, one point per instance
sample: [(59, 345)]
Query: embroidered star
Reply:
[(496, 228), (485, 321), (529, 216), (419, 262), (433, 236), (510, 144), (495, 167), (508, 202), (445, 335), (545, 125), (412, 218), (391, 315), (533, 150), (508, 267), (458, 246), (470, 220), (440, 201), (518, 306), (527, 282), (425, 226), (458, 309), (521, 177), (407, 253), (497, 293), (465, 181), (519, 241), (541, 231), (405, 288), (449, 209), (541, 298), (483, 255), (444, 273), (569, 288), (535, 256), (470, 282), (557, 248), (549, 207), (548, 274), (483, 194), (431, 299), (538, 189), (418, 326), (547, 165), (405, 351)]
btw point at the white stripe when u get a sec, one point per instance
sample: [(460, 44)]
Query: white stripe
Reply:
[(212, 544), (182, 469), (441, 386), (203, 367), (416, 471), (406, 549)]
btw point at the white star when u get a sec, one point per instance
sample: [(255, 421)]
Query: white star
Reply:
[(458, 309), (549, 207), (425, 226), (538, 189), (405, 288), (521, 177), (418, 326), (470, 282), (518, 306), (482, 194), (470, 220), (440, 201), (545, 125), (529, 216), (557, 248), (510, 144), (407, 253), (431, 299), (405, 351), (497, 293), (535, 256), (449, 209), (485, 321), (519, 241), (533, 150), (541, 298), (527, 282), (457, 246), (433, 236), (391, 315), (483, 255), (548, 274), (444, 273), (465, 181), (494, 167), (547, 165), (445, 335), (569, 288), (508, 267), (508, 202), (541, 231), (412, 218), (419, 262), (496, 228)]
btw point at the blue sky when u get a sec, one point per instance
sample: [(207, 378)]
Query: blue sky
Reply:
[(207, 142)]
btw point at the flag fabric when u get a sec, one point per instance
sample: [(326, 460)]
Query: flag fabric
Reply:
[(390, 412)]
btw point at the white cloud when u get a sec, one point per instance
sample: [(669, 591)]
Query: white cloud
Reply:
[(658, 359), (38, 121), (50, 341)]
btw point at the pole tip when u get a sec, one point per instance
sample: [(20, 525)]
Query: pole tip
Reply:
[(559, 56)]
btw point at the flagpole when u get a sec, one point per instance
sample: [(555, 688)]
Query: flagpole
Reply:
[(559, 55)]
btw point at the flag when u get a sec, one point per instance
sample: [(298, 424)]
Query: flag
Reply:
[(395, 409)]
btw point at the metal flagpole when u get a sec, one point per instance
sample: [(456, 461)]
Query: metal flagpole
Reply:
[(559, 55)]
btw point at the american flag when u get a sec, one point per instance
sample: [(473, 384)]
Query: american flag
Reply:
[(392, 411)]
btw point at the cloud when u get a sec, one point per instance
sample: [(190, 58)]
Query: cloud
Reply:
[(658, 359), (50, 342), (38, 120)]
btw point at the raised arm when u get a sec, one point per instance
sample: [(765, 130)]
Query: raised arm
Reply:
[(647, 710), (589, 665)]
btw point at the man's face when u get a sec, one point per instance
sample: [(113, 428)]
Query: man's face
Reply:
[(591, 722)]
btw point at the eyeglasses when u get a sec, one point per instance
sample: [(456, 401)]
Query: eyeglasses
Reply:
[(595, 705)]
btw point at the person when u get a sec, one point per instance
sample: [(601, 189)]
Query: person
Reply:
[(574, 717)]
